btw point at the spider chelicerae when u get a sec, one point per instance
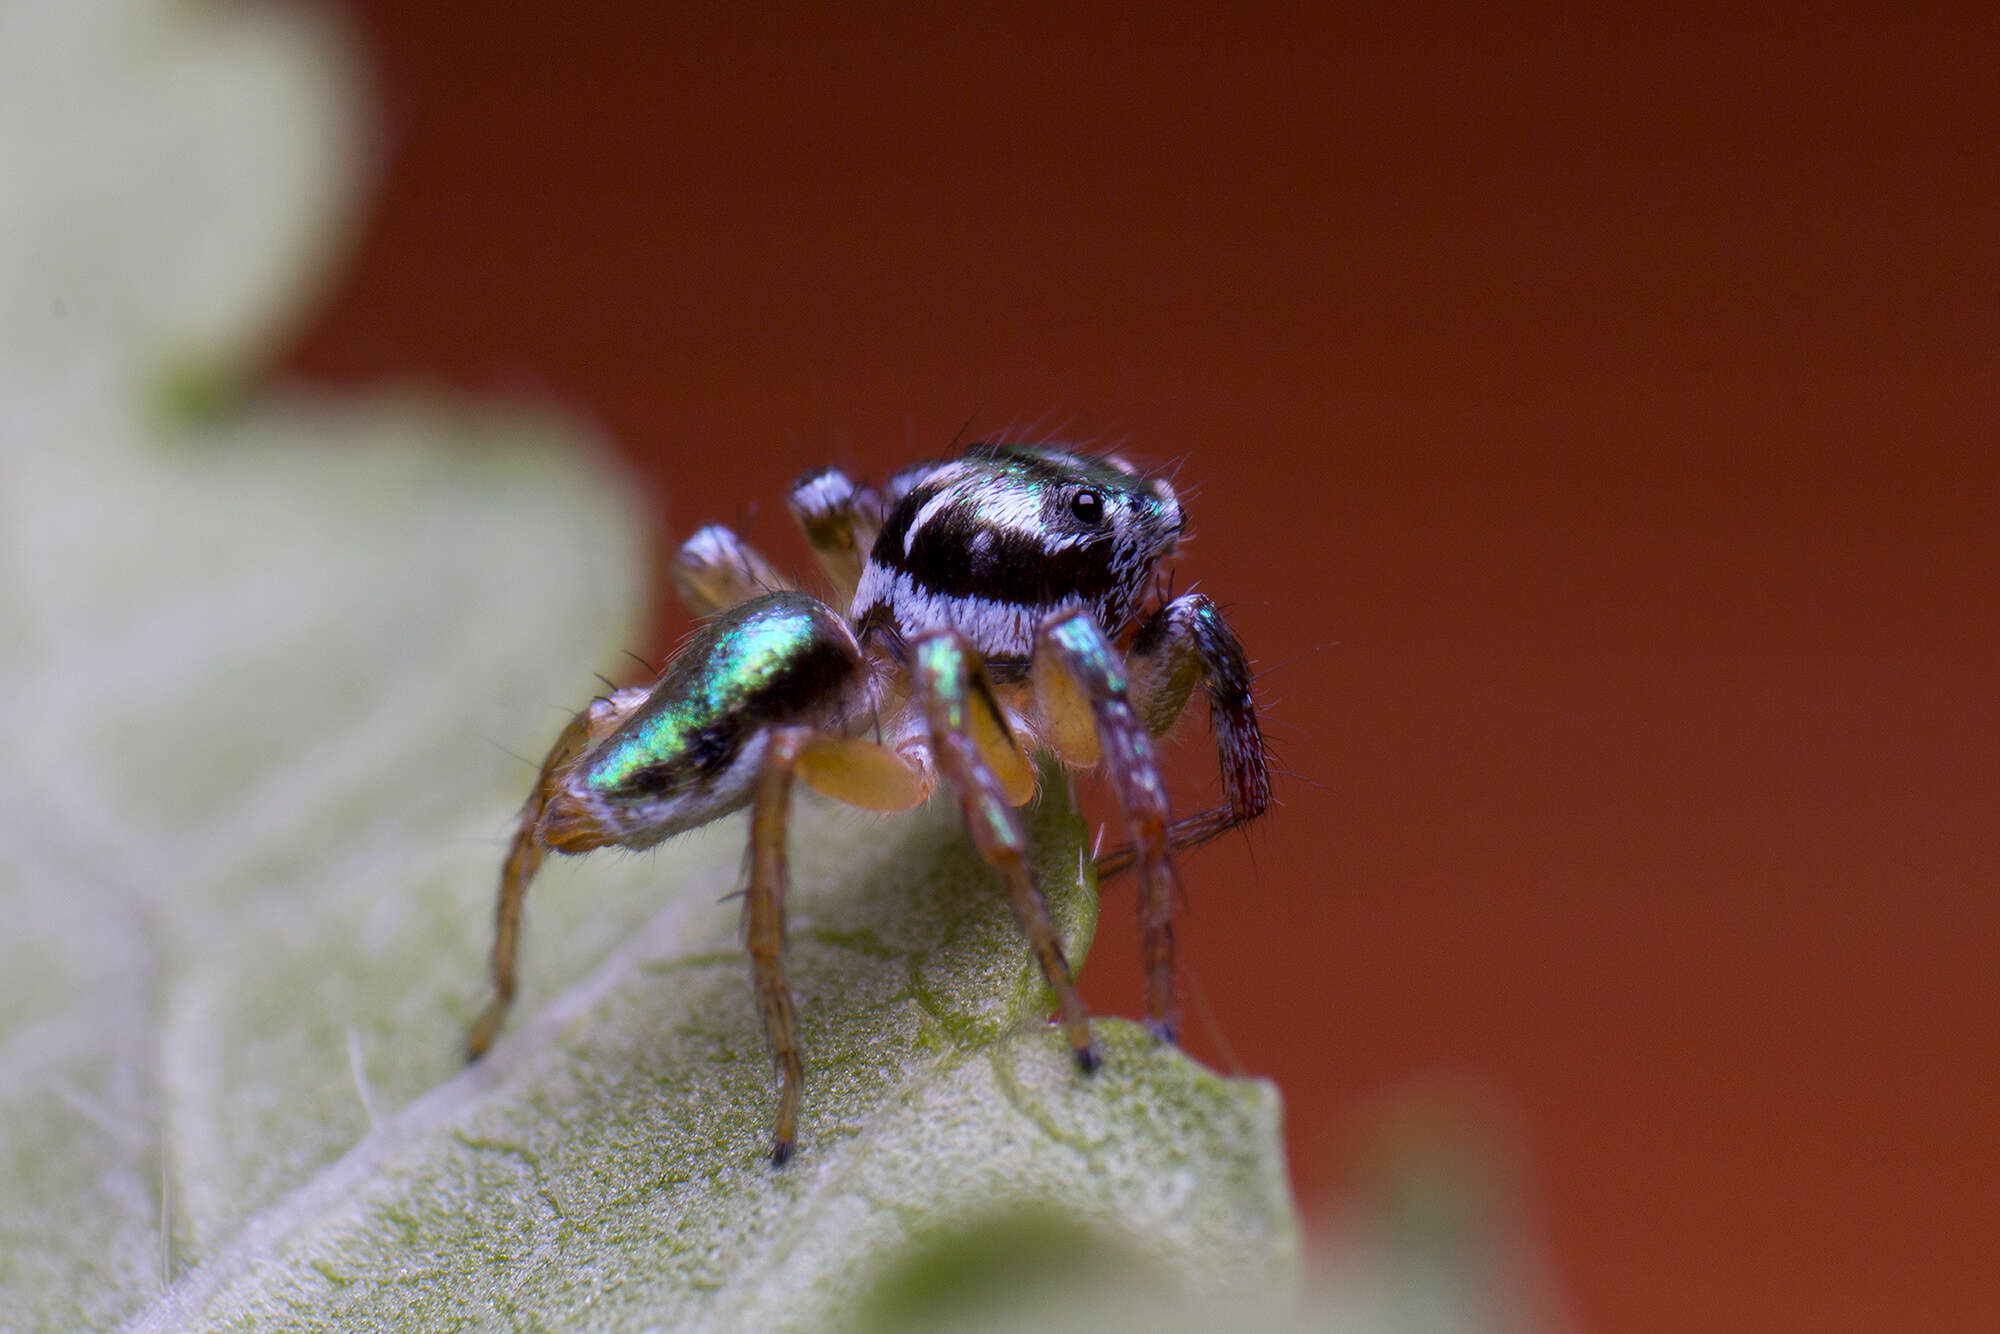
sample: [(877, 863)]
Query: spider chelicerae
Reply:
[(997, 611)]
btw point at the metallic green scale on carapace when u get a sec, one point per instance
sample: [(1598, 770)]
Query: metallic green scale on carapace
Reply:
[(772, 657)]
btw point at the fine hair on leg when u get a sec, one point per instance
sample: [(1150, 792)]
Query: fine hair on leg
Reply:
[(715, 570), (764, 926), (1184, 644), (526, 852)]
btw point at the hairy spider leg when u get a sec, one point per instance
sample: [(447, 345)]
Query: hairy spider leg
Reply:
[(1080, 685), (764, 928), (840, 521), (849, 769), (715, 569), (1180, 646), (525, 854), (974, 750)]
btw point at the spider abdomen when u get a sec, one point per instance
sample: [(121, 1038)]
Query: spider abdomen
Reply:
[(689, 753)]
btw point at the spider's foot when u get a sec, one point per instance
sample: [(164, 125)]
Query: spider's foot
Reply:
[(1164, 1031), (781, 1152), (480, 1040)]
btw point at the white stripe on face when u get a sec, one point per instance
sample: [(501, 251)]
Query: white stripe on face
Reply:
[(997, 503), (1017, 508), (937, 502)]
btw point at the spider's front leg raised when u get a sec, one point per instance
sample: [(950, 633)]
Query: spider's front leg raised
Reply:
[(1180, 646)]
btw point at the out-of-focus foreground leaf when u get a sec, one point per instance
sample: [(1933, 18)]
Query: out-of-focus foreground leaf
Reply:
[(260, 678)]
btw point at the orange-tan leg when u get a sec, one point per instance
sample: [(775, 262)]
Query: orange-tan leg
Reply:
[(850, 769), (525, 854), (764, 927), (716, 569), (973, 749), (1081, 688)]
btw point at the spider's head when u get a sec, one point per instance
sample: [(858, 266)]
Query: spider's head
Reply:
[(992, 542)]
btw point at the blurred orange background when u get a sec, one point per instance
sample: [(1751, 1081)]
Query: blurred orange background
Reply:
[(1592, 425)]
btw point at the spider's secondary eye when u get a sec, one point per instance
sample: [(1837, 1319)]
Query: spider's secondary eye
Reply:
[(1087, 506)]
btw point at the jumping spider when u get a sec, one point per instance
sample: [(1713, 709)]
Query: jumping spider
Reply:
[(994, 614)]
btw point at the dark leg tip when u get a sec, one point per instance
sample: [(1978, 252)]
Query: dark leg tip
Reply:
[(1165, 1031), (484, 1030), (1087, 1059), (781, 1153)]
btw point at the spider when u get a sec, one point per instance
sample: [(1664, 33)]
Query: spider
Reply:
[(995, 613)]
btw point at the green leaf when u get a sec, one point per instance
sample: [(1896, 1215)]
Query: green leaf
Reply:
[(264, 667)]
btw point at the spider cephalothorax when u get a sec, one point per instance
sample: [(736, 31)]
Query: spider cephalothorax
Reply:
[(988, 596), (993, 542)]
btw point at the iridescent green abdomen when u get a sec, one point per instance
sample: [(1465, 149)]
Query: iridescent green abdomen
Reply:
[(785, 657)]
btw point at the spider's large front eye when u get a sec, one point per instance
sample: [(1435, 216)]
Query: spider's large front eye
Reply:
[(1087, 506)]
